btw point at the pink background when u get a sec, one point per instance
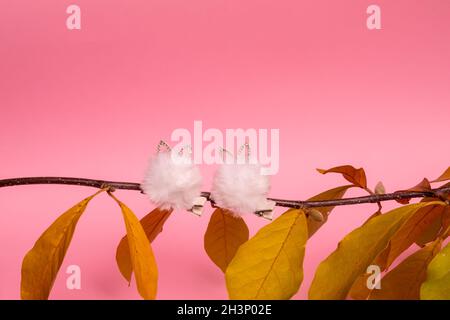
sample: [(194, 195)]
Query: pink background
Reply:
[(94, 103)]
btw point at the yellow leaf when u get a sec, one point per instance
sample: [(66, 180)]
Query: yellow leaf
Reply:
[(41, 264), (270, 265), (332, 194), (443, 177), (224, 235), (404, 281), (437, 284), (152, 224), (142, 258), (373, 215), (335, 275), (355, 176)]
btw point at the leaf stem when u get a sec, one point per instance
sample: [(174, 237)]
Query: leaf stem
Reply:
[(100, 184)]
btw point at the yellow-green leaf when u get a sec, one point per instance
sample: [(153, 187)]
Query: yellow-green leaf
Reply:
[(152, 224), (270, 265), (443, 177), (142, 259), (41, 264), (223, 237), (335, 275), (404, 281), (437, 283), (332, 194), (355, 176)]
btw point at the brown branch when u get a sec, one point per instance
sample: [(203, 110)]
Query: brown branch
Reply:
[(70, 181), (374, 198)]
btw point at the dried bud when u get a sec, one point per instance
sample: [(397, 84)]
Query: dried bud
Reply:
[(379, 188), (316, 215)]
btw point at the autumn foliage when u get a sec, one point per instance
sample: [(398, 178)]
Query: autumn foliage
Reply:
[(269, 264)]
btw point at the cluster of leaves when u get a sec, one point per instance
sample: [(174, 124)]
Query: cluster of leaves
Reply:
[(270, 264), (42, 263)]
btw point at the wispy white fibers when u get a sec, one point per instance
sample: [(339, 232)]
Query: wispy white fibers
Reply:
[(172, 181), (240, 188)]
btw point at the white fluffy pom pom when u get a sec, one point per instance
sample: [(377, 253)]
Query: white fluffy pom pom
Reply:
[(241, 188), (172, 183)]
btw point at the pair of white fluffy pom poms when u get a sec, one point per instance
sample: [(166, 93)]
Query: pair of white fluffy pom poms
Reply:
[(172, 181)]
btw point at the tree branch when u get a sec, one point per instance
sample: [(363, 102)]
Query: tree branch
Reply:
[(375, 198)]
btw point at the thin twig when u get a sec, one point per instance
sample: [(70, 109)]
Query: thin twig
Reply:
[(374, 198)]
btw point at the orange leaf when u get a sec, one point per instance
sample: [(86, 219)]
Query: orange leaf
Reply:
[(445, 231), (224, 236), (443, 177), (142, 259), (404, 281), (412, 230), (436, 228), (355, 176), (42, 263), (439, 195), (424, 185), (152, 224)]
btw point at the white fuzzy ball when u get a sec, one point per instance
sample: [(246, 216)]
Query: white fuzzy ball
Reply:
[(241, 188), (172, 182)]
